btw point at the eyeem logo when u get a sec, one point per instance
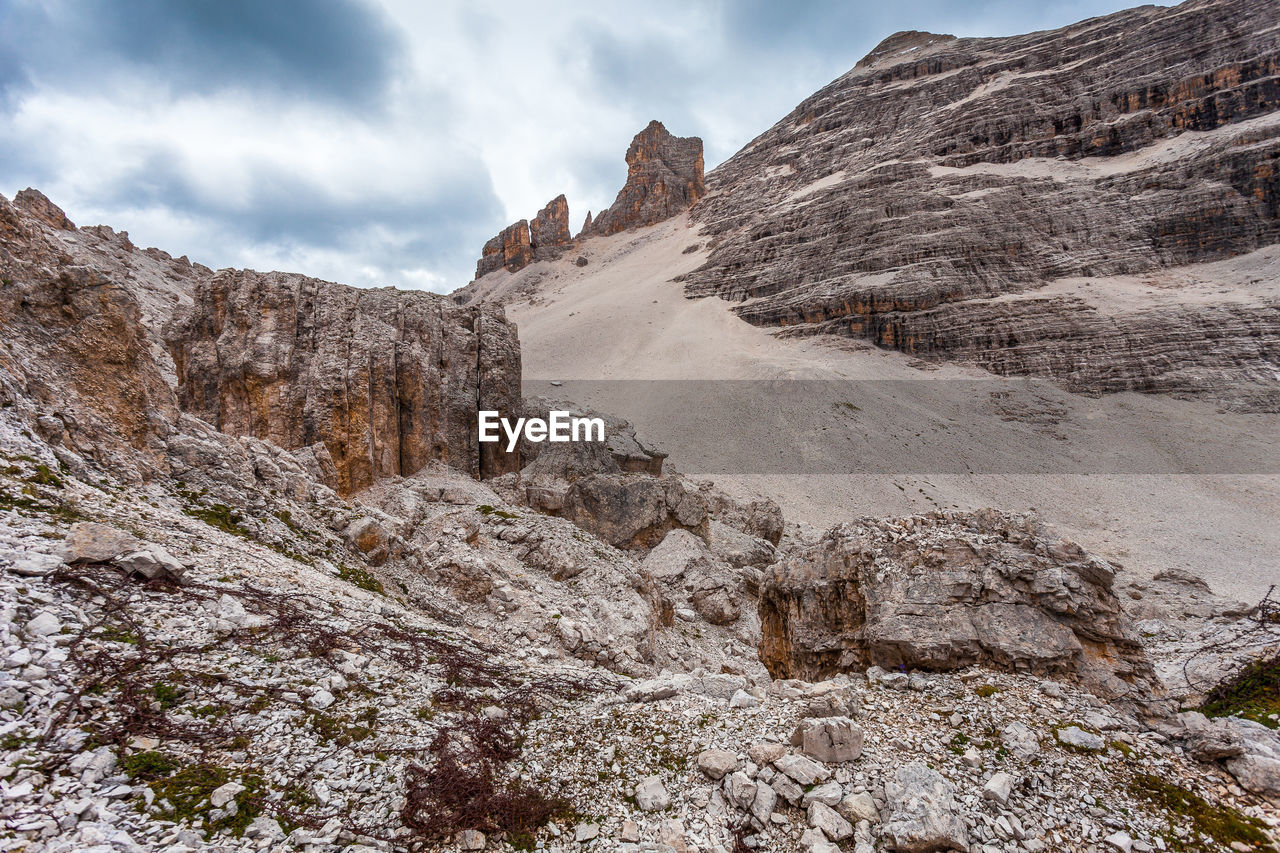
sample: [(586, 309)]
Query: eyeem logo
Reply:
[(560, 426)]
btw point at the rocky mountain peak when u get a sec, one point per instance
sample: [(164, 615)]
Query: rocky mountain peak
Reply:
[(549, 232), (37, 204), (900, 45), (664, 178)]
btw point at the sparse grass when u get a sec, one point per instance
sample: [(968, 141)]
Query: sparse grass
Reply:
[(485, 509), (1222, 823), (220, 516), (1253, 693), (986, 691), (361, 578)]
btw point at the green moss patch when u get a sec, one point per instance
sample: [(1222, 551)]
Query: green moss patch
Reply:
[(1253, 693), (1223, 824)]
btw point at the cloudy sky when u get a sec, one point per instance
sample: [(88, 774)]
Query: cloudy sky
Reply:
[(383, 141)]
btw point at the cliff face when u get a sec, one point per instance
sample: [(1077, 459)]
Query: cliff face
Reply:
[(381, 381), (946, 591), (510, 250), (549, 233), (943, 174), (664, 178)]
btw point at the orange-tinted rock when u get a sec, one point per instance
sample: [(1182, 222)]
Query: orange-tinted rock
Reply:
[(549, 232), (510, 249), (388, 381), (664, 178)]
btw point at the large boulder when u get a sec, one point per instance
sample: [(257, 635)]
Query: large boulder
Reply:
[(921, 815), (949, 590), (634, 511)]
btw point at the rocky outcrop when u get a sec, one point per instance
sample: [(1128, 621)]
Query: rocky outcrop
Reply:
[(948, 590), (384, 381), (79, 360), (510, 250), (549, 231), (1031, 204), (664, 178)]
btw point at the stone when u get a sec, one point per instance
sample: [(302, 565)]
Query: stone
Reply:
[(634, 512), (90, 542), (715, 763), (764, 803), (321, 699), (998, 788), (586, 832), (831, 740), (1077, 737), (920, 812), (388, 381), (664, 178), (858, 807), (651, 795), (1018, 738), (630, 832), (803, 770), (1257, 773), (509, 250), (833, 826), (471, 839), (743, 699), (153, 563), (740, 789), (43, 624), (549, 231), (828, 793), (866, 594), (1120, 841), (225, 794)]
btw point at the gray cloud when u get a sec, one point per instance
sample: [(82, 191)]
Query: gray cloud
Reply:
[(340, 49), (383, 141)]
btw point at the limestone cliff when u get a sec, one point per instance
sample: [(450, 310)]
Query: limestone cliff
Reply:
[(664, 178), (386, 381), (1036, 204), (510, 250), (549, 232)]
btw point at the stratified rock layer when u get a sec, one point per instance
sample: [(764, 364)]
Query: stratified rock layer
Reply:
[(549, 231), (945, 591), (510, 250), (925, 198), (664, 178), (387, 381)]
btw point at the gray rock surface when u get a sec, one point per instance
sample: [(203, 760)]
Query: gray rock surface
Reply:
[(947, 590), (922, 812), (926, 200)]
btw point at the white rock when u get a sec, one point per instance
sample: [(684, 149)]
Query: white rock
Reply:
[(998, 788), (822, 816), (857, 807), (471, 839), (1121, 841), (321, 699), (715, 763), (803, 770), (828, 794), (225, 794), (1080, 739), (743, 699), (651, 795), (44, 624)]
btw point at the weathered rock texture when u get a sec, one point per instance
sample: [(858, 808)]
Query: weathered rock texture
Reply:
[(945, 591), (664, 178), (549, 231), (927, 199), (510, 250), (384, 381), (73, 309)]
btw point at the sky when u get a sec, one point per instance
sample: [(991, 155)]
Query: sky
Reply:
[(381, 142)]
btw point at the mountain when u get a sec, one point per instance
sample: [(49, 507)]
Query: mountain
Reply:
[(263, 586), (1043, 205)]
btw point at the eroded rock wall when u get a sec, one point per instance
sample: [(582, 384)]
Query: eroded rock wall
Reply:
[(944, 591), (944, 171), (664, 178), (386, 381)]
